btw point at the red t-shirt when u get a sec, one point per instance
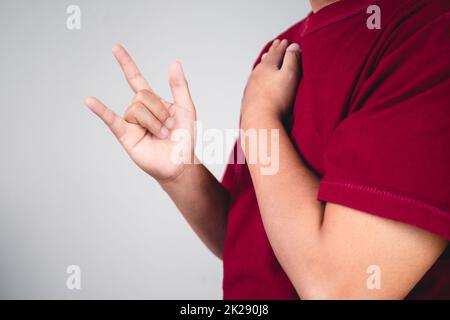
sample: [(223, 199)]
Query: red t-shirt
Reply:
[(372, 120)]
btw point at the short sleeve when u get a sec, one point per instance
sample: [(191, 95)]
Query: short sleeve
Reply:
[(391, 155)]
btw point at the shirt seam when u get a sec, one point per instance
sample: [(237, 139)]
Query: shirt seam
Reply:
[(391, 194)]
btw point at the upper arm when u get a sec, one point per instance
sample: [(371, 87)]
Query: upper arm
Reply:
[(355, 243), (387, 173)]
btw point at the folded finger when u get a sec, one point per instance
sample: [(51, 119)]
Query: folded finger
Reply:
[(139, 114), (154, 104)]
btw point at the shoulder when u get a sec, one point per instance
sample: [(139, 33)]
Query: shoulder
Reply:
[(426, 22)]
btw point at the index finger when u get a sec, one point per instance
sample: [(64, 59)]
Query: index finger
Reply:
[(134, 77)]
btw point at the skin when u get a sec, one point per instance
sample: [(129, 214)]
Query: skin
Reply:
[(200, 197), (316, 5), (324, 249)]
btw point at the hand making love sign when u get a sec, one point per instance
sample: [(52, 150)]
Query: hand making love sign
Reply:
[(146, 129)]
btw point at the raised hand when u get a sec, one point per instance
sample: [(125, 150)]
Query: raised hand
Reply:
[(149, 130)]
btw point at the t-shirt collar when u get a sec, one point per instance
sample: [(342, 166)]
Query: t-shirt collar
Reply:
[(333, 13)]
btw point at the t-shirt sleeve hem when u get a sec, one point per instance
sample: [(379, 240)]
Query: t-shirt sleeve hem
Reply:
[(387, 204)]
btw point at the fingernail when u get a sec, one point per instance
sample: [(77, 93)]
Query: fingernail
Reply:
[(164, 132), (169, 123), (294, 47)]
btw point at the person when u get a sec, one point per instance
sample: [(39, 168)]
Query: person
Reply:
[(360, 205)]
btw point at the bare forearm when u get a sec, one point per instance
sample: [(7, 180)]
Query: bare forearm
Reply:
[(312, 241), (203, 201), (325, 249), (293, 227)]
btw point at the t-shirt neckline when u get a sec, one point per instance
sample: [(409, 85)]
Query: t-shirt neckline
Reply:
[(333, 13)]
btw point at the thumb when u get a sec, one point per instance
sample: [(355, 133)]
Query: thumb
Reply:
[(111, 119), (179, 85), (292, 57)]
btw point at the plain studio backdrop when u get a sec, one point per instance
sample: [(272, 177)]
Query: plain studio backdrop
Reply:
[(69, 195)]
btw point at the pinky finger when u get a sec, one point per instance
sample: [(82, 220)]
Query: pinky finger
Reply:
[(114, 122)]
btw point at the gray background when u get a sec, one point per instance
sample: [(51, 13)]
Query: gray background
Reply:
[(68, 193)]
